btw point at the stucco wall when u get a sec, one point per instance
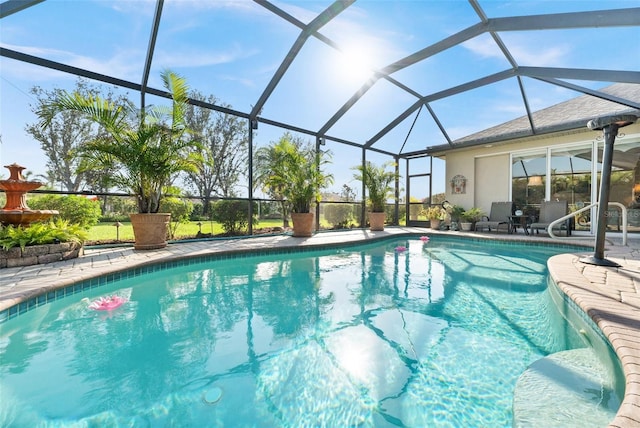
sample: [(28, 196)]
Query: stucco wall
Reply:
[(461, 163), (492, 181), (487, 178)]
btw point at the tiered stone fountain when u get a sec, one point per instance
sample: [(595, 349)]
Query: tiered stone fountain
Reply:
[(16, 211)]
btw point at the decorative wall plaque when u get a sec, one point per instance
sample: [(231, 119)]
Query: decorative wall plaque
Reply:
[(458, 185)]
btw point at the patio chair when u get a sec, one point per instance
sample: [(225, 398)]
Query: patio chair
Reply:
[(549, 212), (498, 216)]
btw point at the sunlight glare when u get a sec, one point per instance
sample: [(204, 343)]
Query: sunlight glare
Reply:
[(355, 356), (355, 65)]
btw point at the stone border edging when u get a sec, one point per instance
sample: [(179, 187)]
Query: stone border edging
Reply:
[(39, 254)]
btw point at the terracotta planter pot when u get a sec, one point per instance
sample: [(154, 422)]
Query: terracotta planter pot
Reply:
[(376, 221), (150, 230), (435, 223), (302, 224)]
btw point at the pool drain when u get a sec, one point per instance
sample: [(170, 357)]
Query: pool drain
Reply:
[(212, 396)]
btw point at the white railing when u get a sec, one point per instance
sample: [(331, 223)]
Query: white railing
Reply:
[(588, 207)]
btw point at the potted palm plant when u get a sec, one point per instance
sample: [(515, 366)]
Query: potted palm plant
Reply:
[(295, 173), (377, 180), (143, 152)]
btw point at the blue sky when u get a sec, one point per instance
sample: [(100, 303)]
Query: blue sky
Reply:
[(231, 49)]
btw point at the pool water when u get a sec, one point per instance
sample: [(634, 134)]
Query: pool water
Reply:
[(436, 334)]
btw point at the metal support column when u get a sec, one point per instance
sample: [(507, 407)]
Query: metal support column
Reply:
[(609, 125)]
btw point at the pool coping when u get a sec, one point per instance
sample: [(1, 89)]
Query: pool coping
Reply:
[(610, 296)]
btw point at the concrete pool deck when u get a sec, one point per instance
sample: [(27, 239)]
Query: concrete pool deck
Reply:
[(610, 296)]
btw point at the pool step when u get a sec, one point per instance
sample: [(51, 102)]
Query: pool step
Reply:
[(566, 389)]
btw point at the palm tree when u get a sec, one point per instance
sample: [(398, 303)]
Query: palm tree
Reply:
[(266, 163), (377, 179), (143, 151), (292, 173)]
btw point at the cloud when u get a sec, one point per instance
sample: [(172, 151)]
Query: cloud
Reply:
[(483, 46), (553, 56), (199, 58), (28, 72), (526, 50), (234, 78), (125, 64)]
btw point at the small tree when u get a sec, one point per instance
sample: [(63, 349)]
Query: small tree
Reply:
[(225, 142), (347, 194), (65, 135)]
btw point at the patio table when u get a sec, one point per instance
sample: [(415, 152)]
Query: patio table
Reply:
[(520, 220)]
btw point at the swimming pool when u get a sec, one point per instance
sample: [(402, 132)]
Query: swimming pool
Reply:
[(428, 334)]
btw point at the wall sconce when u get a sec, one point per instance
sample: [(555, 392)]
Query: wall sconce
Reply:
[(535, 180)]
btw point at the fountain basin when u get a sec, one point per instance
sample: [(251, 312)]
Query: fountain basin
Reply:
[(25, 217), (19, 185)]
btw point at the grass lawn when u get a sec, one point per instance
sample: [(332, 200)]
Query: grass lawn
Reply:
[(107, 232)]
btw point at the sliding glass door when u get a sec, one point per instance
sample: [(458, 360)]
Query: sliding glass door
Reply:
[(571, 172), (528, 180)]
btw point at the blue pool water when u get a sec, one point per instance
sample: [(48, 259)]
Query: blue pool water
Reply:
[(436, 335)]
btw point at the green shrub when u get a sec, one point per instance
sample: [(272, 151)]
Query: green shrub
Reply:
[(113, 217), (180, 210), (50, 232), (196, 214), (402, 212), (390, 211), (232, 215), (74, 209), (339, 215), (269, 210)]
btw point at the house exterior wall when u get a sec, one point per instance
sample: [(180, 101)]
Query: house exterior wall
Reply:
[(492, 180), (488, 169)]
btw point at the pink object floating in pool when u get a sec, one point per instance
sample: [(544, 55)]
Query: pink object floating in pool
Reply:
[(424, 238), (400, 248), (108, 303)]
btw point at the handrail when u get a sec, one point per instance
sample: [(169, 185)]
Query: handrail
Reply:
[(588, 207)]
